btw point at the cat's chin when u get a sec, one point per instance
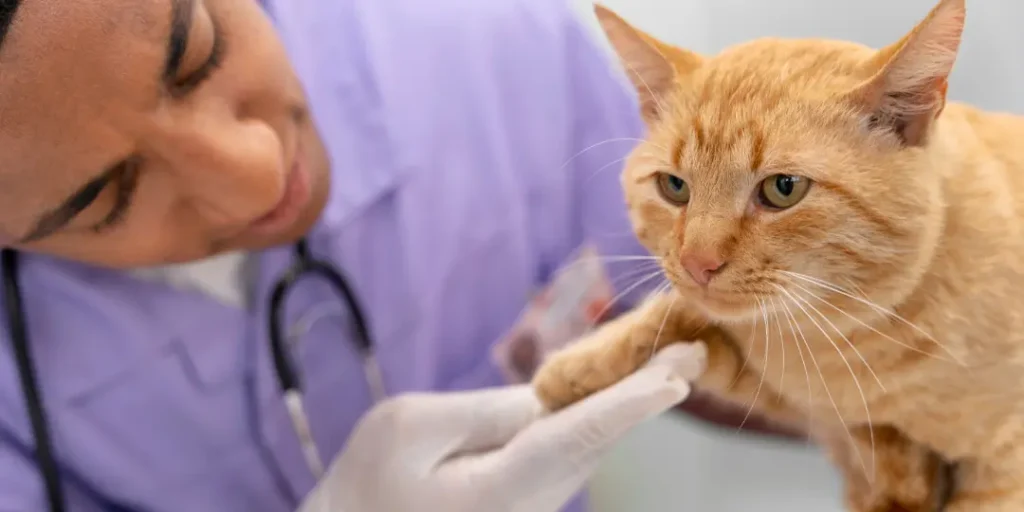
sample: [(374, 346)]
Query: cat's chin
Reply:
[(731, 310), (731, 313)]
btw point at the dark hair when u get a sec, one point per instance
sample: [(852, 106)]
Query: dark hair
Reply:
[(7, 10)]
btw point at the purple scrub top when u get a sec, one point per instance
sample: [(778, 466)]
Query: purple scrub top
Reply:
[(474, 146)]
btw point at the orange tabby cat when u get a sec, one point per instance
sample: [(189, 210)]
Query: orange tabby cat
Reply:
[(847, 244)]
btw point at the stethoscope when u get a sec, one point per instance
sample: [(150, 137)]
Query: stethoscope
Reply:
[(305, 265)]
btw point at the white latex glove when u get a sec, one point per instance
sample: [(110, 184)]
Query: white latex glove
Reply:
[(494, 450)]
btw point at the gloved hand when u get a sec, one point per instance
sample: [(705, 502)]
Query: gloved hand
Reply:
[(494, 450)]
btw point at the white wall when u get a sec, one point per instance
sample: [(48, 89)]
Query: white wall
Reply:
[(674, 464), (989, 72)]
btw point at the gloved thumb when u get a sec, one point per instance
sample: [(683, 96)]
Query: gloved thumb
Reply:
[(661, 384), (447, 424), (581, 433)]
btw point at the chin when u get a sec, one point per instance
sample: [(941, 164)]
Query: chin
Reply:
[(291, 235), (718, 309), (730, 312)]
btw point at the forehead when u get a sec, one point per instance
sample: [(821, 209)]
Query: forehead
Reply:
[(61, 52), (791, 64), (79, 34), (72, 73), (762, 104)]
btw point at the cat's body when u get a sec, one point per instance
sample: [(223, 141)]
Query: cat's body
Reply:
[(889, 293)]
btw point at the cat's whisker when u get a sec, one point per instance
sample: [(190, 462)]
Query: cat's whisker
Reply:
[(607, 349), (866, 325), (628, 258), (767, 346), (640, 264), (657, 337), (867, 409), (601, 143), (647, 264), (667, 286), (750, 351), (788, 314), (954, 359), (884, 311), (641, 269), (782, 343), (856, 288), (847, 340), (662, 288), (601, 169), (611, 303), (852, 373), (821, 375), (607, 260)]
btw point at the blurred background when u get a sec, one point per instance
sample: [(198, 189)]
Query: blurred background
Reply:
[(679, 462)]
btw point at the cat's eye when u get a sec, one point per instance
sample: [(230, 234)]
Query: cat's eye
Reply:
[(673, 189), (783, 190)]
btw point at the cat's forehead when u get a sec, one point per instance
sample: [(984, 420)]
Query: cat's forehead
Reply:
[(761, 104), (744, 142), (775, 66)]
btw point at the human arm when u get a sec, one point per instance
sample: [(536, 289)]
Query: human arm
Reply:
[(493, 449)]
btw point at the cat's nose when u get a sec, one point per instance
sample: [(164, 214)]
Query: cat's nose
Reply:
[(702, 266)]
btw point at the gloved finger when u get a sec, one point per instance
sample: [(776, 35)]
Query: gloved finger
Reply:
[(469, 421), (605, 416), (571, 441)]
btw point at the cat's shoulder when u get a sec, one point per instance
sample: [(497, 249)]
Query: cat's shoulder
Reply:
[(993, 131), (979, 118)]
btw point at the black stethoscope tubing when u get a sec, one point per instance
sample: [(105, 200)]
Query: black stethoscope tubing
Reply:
[(285, 369), (15, 311), (307, 265)]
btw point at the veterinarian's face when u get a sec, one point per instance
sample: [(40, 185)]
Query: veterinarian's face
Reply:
[(138, 132)]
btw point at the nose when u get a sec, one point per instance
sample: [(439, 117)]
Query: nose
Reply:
[(232, 167), (702, 266)]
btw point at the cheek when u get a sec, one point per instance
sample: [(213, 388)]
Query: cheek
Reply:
[(824, 241), (653, 223), (262, 76)]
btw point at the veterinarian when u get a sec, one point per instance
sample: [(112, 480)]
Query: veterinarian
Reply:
[(232, 230)]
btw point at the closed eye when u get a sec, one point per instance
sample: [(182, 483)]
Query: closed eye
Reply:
[(125, 185), (124, 175), (183, 86)]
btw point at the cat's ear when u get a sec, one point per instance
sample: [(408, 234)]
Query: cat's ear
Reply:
[(907, 88), (653, 66)]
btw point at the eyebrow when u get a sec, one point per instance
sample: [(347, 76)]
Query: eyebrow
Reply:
[(7, 10), (60, 216), (177, 43)]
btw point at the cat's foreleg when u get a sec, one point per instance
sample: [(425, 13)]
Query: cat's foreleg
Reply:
[(621, 346), (990, 486), (885, 471), (605, 356)]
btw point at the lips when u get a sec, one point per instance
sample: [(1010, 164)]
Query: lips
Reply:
[(293, 200)]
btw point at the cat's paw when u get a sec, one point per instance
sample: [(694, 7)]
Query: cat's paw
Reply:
[(578, 372), (570, 376)]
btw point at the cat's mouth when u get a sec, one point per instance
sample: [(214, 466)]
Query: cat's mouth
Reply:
[(721, 306), (728, 309), (717, 304)]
